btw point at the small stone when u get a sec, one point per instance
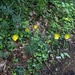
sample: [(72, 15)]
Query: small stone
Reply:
[(58, 57), (56, 69)]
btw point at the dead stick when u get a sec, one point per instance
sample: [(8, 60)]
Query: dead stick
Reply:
[(48, 68), (68, 65)]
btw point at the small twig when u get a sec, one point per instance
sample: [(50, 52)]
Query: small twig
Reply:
[(48, 68), (2, 63), (3, 66), (69, 65)]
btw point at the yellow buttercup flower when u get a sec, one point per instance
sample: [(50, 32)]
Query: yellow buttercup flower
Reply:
[(66, 19), (35, 27), (26, 30), (56, 36), (67, 36), (15, 37)]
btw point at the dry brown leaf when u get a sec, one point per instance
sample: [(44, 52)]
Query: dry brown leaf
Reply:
[(24, 57)]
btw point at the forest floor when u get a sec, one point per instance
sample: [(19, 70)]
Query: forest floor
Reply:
[(64, 66)]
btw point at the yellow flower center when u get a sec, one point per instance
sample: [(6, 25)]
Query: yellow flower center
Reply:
[(56, 36), (66, 19), (67, 36), (15, 37), (26, 30), (35, 26)]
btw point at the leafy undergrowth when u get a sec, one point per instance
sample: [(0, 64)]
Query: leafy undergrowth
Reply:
[(37, 39)]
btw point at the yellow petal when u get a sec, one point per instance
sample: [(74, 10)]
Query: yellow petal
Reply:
[(66, 19), (56, 36), (15, 37), (67, 36), (35, 27)]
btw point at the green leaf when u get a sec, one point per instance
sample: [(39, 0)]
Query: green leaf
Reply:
[(1, 53), (26, 22), (62, 55), (66, 54), (63, 4), (1, 37), (14, 73), (1, 19)]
